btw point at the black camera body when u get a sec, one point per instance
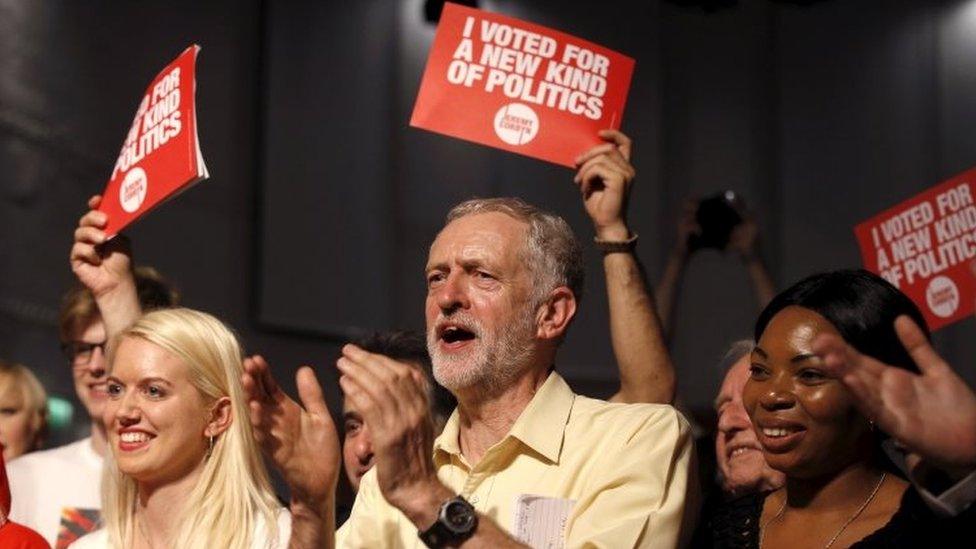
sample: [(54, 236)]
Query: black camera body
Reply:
[(717, 215)]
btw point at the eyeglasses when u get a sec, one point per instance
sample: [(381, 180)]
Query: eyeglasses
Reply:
[(79, 353)]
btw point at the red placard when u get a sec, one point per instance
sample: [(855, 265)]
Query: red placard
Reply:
[(161, 153), (521, 87), (924, 246)]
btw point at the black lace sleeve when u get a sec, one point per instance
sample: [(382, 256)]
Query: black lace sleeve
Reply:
[(735, 524)]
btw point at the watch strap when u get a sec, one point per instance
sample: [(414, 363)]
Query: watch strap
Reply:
[(616, 246)]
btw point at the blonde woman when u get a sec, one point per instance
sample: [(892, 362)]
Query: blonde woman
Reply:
[(184, 470), (23, 410)]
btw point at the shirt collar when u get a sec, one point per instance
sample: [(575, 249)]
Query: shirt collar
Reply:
[(448, 440), (541, 426)]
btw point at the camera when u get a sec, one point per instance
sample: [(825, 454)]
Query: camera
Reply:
[(717, 215)]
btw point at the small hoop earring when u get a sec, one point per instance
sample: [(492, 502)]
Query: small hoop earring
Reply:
[(210, 447)]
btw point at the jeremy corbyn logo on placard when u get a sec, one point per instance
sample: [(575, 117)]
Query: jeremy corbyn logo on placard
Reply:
[(132, 192), (516, 124), (942, 296)]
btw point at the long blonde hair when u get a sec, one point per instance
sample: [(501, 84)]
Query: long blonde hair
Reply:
[(233, 491)]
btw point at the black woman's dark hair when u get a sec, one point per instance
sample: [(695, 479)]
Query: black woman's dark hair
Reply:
[(862, 306)]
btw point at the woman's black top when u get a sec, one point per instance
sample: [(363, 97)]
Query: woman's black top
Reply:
[(735, 525)]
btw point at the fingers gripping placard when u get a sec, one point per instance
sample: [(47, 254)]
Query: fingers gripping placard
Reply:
[(518, 86), (923, 246)]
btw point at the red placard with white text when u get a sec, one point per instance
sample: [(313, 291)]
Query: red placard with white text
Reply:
[(521, 87), (161, 153), (924, 247)]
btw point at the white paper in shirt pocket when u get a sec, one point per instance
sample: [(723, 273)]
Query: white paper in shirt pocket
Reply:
[(540, 522)]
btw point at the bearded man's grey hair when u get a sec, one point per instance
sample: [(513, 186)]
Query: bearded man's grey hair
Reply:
[(551, 251)]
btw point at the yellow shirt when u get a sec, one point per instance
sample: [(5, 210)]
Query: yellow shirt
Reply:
[(625, 468)]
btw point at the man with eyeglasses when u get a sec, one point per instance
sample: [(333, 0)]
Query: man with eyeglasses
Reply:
[(58, 491)]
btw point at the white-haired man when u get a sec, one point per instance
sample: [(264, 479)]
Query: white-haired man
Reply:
[(523, 460)]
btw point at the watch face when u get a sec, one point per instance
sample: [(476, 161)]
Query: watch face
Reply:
[(459, 517)]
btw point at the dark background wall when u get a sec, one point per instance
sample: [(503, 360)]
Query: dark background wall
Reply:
[(322, 201)]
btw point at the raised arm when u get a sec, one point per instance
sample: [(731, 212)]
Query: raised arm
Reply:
[(744, 240), (105, 268), (666, 291), (604, 179)]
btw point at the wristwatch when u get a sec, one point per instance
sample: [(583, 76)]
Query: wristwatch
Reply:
[(616, 246), (456, 521)]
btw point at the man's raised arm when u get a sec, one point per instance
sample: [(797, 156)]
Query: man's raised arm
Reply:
[(604, 179)]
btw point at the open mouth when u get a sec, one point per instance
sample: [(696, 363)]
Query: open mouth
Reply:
[(133, 440), (452, 335), (781, 438), (736, 452), (779, 432)]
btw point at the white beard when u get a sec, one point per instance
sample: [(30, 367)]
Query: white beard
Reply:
[(493, 360)]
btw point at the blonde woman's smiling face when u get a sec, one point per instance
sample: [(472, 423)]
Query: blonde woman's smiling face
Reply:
[(156, 419)]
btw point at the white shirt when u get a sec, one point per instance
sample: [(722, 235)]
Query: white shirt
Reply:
[(260, 540), (57, 489)]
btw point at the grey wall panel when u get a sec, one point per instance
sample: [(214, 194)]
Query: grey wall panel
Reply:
[(326, 217)]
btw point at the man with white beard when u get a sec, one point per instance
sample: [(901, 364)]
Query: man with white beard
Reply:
[(523, 460)]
